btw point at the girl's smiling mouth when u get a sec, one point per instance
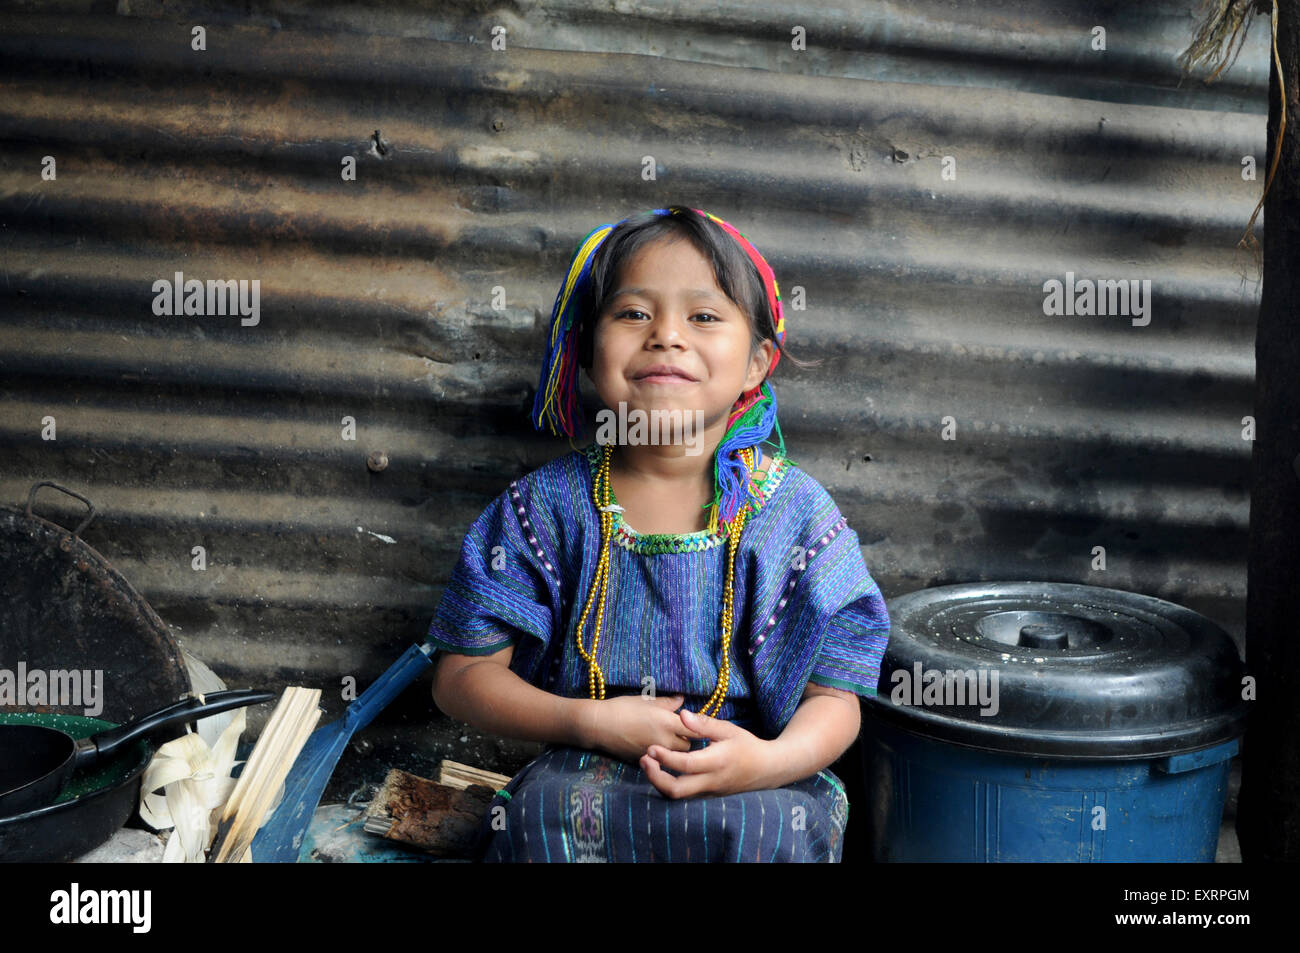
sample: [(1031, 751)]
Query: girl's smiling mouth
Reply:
[(663, 374)]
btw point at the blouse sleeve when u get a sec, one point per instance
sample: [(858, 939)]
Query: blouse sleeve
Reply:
[(853, 647), (499, 589)]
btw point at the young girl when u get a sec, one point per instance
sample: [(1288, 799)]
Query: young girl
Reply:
[(686, 623)]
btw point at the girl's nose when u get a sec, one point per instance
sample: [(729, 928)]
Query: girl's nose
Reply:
[(666, 330)]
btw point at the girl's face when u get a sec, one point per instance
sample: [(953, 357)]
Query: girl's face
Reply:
[(669, 310)]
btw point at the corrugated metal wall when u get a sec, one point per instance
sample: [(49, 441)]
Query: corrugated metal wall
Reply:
[(479, 168)]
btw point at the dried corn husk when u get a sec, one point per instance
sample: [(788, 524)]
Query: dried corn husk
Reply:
[(205, 681), (195, 782)]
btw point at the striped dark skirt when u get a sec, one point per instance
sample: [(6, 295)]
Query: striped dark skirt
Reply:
[(575, 806)]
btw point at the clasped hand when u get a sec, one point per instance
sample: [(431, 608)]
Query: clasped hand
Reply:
[(651, 732)]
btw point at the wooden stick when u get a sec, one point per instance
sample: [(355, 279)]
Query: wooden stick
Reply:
[(457, 775), (262, 779)]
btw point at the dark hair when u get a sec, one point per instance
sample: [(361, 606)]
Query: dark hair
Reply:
[(735, 273)]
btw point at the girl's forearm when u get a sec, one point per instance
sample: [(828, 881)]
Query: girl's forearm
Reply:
[(494, 699), (821, 729)]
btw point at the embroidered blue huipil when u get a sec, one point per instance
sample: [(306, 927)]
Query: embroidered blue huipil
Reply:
[(806, 607)]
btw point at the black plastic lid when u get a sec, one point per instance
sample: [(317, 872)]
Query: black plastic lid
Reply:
[(1063, 670)]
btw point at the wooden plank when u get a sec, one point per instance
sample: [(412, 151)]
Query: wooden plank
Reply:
[(439, 818)]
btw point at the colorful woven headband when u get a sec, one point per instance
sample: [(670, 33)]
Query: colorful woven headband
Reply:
[(752, 418)]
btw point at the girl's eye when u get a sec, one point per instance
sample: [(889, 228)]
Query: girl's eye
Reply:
[(632, 313)]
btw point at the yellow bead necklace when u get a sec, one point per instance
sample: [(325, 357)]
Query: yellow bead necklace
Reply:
[(602, 496)]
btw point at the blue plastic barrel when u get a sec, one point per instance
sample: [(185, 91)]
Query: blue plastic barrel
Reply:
[(1046, 722)]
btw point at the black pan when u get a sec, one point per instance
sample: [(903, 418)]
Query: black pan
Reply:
[(92, 808), (35, 761)]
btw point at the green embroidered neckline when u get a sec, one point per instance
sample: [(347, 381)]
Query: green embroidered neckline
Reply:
[(655, 543)]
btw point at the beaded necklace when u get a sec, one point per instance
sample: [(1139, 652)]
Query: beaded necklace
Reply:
[(601, 496)]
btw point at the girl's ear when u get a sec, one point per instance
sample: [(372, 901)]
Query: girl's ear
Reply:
[(759, 362)]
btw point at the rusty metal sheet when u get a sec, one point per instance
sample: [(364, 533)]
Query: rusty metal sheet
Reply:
[(478, 172)]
